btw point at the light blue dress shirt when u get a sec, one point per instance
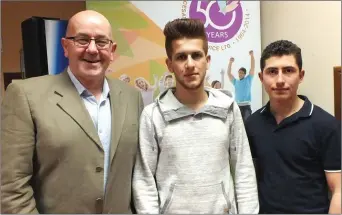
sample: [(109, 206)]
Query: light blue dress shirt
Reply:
[(100, 113)]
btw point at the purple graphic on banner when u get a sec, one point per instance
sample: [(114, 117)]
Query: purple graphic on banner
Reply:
[(221, 23)]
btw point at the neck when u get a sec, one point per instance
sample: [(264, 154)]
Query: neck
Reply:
[(285, 108), (194, 99)]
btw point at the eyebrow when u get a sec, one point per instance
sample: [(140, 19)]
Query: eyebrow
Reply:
[(285, 67), (288, 67), (270, 68), (187, 53), (86, 35), (82, 35)]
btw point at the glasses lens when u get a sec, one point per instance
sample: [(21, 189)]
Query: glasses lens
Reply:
[(82, 41), (103, 43)]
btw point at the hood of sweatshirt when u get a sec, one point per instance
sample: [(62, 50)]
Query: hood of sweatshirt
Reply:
[(217, 105)]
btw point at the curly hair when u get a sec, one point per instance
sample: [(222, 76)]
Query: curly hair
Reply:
[(280, 48)]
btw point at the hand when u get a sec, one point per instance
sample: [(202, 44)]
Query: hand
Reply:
[(222, 72), (251, 52), (231, 60)]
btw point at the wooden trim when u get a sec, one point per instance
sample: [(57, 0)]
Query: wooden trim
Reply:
[(10, 76), (337, 91)]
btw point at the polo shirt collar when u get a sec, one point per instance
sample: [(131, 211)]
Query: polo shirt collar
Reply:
[(305, 111)]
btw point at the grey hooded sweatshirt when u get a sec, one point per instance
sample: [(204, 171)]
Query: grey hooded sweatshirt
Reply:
[(194, 162)]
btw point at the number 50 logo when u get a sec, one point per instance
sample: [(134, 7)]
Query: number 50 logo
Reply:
[(222, 22)]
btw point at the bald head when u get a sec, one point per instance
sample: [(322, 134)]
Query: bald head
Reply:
[(89, 46), (85, 18)]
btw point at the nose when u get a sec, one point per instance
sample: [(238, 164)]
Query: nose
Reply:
[(280, 79), (92, 47), (190, 63)]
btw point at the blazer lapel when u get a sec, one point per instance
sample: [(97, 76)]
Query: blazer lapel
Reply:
[(118, 107), (71, 103)]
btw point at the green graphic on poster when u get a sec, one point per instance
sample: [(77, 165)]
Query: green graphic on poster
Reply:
[(140, 56)]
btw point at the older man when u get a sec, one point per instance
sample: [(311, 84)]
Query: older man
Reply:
[(69, 141)]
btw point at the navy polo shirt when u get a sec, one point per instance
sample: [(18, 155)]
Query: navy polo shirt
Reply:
[(292, 158)]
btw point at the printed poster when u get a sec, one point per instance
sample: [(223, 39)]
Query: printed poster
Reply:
[(232, 27)]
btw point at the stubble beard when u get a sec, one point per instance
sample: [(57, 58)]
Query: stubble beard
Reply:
[(193, 87)]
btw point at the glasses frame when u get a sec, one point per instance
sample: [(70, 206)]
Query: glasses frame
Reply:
[(90, 39)]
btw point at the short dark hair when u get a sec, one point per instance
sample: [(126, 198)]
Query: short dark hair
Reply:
[(168, 76), (184, 28), (280, 48), (243, 69)]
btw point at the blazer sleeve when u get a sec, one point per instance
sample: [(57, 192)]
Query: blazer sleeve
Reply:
[(17, 148), (140, 109), (141, 104)]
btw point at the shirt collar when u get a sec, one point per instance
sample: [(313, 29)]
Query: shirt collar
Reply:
[(305, 111), (82, 90)]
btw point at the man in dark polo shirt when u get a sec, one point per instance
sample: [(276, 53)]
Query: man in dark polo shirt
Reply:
[(296, 144)]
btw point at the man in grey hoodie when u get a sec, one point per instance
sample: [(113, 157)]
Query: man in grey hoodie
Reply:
[(193, 155)]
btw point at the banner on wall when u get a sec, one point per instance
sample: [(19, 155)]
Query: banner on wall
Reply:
[(54, 31), (232, 27), (42, 52)]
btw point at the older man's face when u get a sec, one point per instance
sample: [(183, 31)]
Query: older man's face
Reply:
[(88, 61)]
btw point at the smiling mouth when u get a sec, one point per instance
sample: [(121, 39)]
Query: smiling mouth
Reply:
[(91, 61)]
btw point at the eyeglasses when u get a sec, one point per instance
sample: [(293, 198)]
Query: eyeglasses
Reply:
[(84, 42)]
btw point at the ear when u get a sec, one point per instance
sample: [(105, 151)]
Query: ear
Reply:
[(168, 63), (260, 76), (208, 61), (301, 76), (114, 46), (65, 46)]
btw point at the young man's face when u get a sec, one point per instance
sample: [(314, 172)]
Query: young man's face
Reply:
[(141, 84), (127, 79), (217, 85), (241, 74), (188, 63), (168, 82), (281, 77)]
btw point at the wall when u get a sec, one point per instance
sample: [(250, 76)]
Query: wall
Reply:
[(315, 26), (14, 12)]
